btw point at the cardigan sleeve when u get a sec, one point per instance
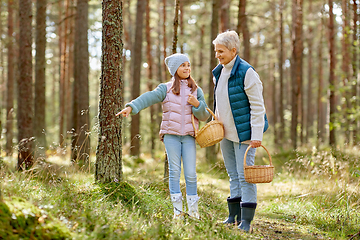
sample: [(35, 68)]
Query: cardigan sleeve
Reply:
[(254, 91), (147, 99)]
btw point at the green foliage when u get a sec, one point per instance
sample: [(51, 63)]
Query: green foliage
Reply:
[(21, 219), (120, 192), (314, 195)]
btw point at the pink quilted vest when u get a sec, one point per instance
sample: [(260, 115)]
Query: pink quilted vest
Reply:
[(177, 111)]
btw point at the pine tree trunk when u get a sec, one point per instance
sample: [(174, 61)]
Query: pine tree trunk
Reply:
[(149, 58), (40, 102), (136, 63), (81, 119), (296, 67), (176, 26), (310, 102), (70, 67), (210, 151), (281, 71), (243, 28), (166, 75), (345, 71), (25, 97), (225, 15), (108, 167), (355, 67), (332, 82), (10, 80), (320, 113), (61, 74)]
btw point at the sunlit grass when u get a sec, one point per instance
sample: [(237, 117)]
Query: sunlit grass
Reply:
[(314, 195)]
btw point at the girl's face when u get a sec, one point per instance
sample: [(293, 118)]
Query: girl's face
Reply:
[(184, 70), (223, 54)]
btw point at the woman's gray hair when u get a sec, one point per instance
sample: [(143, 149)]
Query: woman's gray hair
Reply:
[(230, 39)]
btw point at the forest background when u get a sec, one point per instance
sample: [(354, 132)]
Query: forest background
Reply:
[(66, 68), (305, 53)]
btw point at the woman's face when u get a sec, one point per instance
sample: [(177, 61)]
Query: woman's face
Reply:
[(223, 54), (184, 70)]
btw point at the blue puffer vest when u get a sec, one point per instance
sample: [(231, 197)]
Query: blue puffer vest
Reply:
[(239, 102)]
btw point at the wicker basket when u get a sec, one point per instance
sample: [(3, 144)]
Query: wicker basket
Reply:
[(258, 174), (211, 133)]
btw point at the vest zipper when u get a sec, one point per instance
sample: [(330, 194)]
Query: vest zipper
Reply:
[(182, 93)]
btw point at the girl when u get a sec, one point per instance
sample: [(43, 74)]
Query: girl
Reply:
[(180, 98)]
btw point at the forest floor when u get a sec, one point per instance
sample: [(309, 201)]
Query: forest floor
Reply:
[(314, 195)]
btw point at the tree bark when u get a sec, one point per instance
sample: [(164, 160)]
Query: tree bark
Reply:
[(345, 71), (210, 151), (108, 167), (355, 67), (310, 102), (136, 63), (244, 30), (225, 15), (40, 86), (296, 67), (332, 81), (81, 119), (281, 80), (25, 93), (10, 80), (149, 58), (176, 26), (320, 113)]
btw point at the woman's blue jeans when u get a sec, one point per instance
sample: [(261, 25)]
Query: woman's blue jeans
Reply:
[(176, 147), (233, 154)]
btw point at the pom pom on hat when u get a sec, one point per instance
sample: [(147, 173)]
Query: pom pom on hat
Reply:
[(174, 61)]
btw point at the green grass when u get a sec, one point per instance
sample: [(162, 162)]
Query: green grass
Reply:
[(314, 195)]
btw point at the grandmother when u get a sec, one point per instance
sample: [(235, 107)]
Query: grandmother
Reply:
[(239, 104)]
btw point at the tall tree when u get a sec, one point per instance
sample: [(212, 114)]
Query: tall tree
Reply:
[(81, 119), (332, 82), (210, 151), (39, 114), (176, 26), (345, 75), (281, 73), (242, 28), (2, 80), (355, 67), (320, 112), (65, 69), (225, 15), (25, 93), (165, 72), (136, 61), (108, 167), (310, 102), (149, 59), (296, 66), (10, 80)]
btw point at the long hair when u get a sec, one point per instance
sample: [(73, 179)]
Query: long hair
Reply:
[(176, 85)]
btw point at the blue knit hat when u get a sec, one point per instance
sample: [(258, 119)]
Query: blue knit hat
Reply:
[(174, 61)]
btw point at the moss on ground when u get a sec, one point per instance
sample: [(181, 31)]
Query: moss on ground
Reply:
[(21, 219)]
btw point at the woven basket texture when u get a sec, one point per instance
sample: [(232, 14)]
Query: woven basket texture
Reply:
[(211, 133), (256, 173)]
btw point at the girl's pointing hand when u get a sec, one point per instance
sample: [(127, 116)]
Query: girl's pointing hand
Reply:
[(125, 112)]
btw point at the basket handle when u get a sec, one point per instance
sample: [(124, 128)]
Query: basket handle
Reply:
[(193, 121), (265, 150)]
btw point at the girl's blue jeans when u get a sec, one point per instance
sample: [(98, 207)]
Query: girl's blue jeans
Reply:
[(233, 154), (184, 147)]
